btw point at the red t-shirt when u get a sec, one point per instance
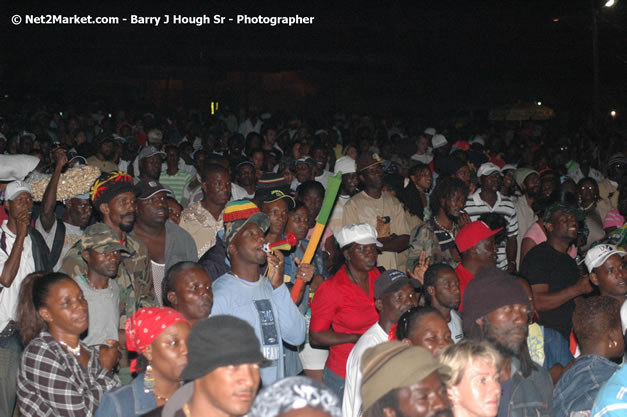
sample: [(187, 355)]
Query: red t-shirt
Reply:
[(464, 278), (341, 303)]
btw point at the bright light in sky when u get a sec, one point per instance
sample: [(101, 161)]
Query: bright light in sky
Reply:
[(609, 3)]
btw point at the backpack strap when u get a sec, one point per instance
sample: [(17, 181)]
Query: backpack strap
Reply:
[(57, 244)]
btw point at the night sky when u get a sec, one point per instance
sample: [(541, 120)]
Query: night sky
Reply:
[(429, 56)]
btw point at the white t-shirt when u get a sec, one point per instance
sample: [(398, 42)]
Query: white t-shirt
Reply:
[(72, 235), (455, 326), (238, 193), (351, 404), (324, 178), (425, 158), (9, 296)]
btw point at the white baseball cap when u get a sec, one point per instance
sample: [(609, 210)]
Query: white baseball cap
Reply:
[(429, 131), (438, 141), (597, 255), (478, 139), (487, 168), (16, 188), (346, 165), (361, 233)]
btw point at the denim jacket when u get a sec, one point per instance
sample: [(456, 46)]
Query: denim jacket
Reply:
[(579, 386), (531, 396), (127, 399)]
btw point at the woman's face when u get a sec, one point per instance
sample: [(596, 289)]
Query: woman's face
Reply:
[(192, 294), (66, 309), (168, 352), (352, 152), (463, 174), (424, 179), (288, 175), (298, 223), (432, 333), (479, 391), (277, 212), (588, 190), (362, 257)]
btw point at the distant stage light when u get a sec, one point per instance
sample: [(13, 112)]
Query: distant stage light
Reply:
[(609, 3), (613, 114)]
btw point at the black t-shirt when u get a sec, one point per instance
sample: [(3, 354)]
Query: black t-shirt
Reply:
[(545, 265)]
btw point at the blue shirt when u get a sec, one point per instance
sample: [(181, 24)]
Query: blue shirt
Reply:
[(270, 311), (612, 398), (127, 400), (578, 387)]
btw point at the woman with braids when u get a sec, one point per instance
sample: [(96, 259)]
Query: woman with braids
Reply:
[(58, 374), (424, 327), (159, 336)]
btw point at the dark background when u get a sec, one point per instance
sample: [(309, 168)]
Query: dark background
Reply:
[(427, 59)]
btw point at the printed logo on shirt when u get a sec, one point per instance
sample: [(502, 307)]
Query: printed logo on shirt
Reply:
[(269, 333)]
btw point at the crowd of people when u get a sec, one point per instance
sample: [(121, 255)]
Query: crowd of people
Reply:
[(461, 272)]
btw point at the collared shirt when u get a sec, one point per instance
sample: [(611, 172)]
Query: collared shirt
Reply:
[(504, 206), (72, 235), (351, 404), (52, 382), (134, 276), (362, 208), (341, 303), (9, 296), (465, 277), (201, 224)]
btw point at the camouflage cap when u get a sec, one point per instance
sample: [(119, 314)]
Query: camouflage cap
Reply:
[(101, 238)]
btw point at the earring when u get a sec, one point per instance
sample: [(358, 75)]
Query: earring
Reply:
[(149, 380)]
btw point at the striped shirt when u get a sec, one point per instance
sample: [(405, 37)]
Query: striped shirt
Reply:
[(175, 182), (504, 206)]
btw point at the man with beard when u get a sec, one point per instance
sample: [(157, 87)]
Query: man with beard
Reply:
[(441, 289), (61, 234), (149, 160), (348, 188), (496, 309), (488, 199), (114, 196), (245, 181), (394, 294), (553, 274), (263, 302), (104, 155), (436, 238), (380, 210), (403, 381), (529, 182), (203, 219), (167, 242)]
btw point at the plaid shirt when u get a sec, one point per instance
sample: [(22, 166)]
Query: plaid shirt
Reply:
[(51, 381)]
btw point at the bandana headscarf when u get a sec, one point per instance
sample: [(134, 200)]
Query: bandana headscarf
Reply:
[(143, 327), (294, 393)]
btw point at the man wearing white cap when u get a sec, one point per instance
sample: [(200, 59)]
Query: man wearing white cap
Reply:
[(61, 234), (608, 271), (346, 165), (488, 199), (22, 251)]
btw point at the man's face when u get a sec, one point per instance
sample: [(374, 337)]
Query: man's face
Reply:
[(246, 175), (257, 160), (479, 391), (173, 157), (454, 204), (105, 264), (153, 210), (485, 251), (230, 389), (270, 136), (431, 333), (313, 203), (350, 182), (373, 177), (304, 172), (320, 157), (531, 185), (80, 210), (463, 174), (446, 291), (247, 245), (427, 398), (199, 160), (507, 327), (422, 144), (563, 225), (151, 167), (120, 211), (394, 305), (217, 188), (107, 150), (277, 212), (491, 182), (611, 277), (21, 205)]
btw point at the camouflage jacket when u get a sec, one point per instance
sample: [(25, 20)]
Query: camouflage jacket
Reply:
[(134, 276), (424, 238)]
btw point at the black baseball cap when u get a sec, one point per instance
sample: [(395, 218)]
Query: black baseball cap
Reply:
[(391, 281)]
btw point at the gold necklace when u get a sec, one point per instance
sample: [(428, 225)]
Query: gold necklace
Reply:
[(161, 398), (186, 410)]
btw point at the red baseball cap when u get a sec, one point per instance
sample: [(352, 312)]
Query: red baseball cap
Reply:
[(473, 233)]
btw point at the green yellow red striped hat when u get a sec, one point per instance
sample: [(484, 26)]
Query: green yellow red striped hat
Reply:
[(238, 210)]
